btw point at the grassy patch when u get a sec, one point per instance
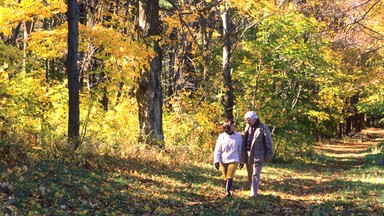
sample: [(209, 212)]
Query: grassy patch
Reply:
[(162, 185)]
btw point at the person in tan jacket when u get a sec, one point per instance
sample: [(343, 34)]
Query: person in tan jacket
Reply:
[(257, 149)]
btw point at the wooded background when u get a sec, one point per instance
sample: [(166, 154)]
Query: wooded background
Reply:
[(109, 75)]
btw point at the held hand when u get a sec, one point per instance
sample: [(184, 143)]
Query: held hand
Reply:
[(217, 165), (241, 166)]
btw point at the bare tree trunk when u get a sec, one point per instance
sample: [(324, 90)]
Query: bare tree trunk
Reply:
[(149, 92), (348, 126), (340, 133), (227, 70), (25, 36), (171, 79), (73, 74)]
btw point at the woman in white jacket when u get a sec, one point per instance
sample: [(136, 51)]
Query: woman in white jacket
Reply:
[(227, 153)]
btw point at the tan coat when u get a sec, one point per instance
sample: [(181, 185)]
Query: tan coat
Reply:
[(261, 148)]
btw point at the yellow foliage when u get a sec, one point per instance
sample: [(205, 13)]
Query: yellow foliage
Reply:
[(188, 127), (329, 98), (49, 44), (12, 12), (374, 98), (255, 9), (123, 58), (34, 107), (107, 132), (317, 116)]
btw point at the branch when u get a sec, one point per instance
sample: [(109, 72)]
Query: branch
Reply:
[(208, 7), (250, 26), (365, 14), (360, 5), (369, 29), (297, 97)]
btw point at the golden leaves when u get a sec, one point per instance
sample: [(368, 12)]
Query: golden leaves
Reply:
[(255, 9), (11, 12), (49, 44)]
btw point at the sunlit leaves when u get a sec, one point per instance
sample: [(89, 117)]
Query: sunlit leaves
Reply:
[(122, 58), (49, 44), (255, 9), (11, 61), (293, 59), (12, 12)]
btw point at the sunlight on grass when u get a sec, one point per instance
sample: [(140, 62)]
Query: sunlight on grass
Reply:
[(153, 183), (377, 149), (349, 150), (354, 185)]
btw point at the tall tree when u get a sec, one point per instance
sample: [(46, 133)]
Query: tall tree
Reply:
[(73, 73), (149, 92), (227, 69)]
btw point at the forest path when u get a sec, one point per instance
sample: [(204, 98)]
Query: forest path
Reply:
[(337, 181), (341, 178), (350, 153)]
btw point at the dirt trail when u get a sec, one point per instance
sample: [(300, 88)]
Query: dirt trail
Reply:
[(333, 183), (350, 153)]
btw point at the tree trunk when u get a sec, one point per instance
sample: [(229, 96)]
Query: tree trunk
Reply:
[(149, 92), (340, 133), (227, 70), (360, 121), (171, 80), (73, 74), (104, 101), (348, 126)]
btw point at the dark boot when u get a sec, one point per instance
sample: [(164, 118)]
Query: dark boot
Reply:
[(228, 186), (225, 184)]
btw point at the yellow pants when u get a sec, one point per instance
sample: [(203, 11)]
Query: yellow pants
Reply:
[(228, 170)]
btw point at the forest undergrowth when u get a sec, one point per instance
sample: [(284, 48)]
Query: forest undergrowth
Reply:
[(342, 177)]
